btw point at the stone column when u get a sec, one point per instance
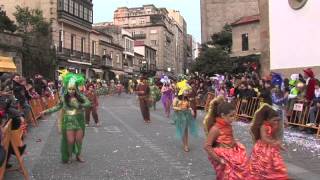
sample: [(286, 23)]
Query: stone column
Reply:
[(264, 37)]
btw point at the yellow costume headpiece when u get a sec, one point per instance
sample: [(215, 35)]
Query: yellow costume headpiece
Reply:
[(183, 86), (62, 73)]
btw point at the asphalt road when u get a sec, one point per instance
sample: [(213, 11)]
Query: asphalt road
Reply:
[(126, 148)]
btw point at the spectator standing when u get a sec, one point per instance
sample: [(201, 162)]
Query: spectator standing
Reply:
[(310, 83)]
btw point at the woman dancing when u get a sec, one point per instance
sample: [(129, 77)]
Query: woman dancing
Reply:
[(167, 95), (227, 156), (266, 161), (183, 116), (72, 125)]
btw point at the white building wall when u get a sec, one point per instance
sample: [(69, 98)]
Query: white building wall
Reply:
[(294, 35)]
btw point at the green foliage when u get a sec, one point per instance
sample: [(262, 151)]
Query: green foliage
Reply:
[(31, 21), (211, 61), (5, 23), (214, 56), (38, 54), (223, 39)]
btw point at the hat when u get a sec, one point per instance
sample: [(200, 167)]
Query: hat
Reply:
[(309, 72)]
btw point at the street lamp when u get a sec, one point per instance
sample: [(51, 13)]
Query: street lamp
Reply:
[(169, 69)]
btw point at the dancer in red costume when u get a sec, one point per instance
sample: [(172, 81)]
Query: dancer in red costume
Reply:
[(266, 162), (227, 156)]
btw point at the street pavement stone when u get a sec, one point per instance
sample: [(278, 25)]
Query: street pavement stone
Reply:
[(125, 148)]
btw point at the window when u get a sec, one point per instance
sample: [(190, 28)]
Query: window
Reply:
[(66, 5), (82, 45), (111, 54), (76, 9), (73, 43), (60, 7), (245, 42), (93, 50), (60, 40), (153, 42), (81, 11), (118, 58), (90, 16), (104, 52), (71, 6), (85, 13)]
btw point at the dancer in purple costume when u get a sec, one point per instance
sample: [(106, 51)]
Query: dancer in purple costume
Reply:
[(167, 95)]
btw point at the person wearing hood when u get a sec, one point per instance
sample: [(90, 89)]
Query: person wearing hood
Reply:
[(310, 83)]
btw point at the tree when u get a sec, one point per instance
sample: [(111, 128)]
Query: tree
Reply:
[(211, 61), (214, 56), (223, 39), (5, 23), (38, 54)]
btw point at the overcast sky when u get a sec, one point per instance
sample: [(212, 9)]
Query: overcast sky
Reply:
[(190, 10)]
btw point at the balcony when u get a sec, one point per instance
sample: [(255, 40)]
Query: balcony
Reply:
[(106, 61), (96, 60), (139, 36), (67, 54)]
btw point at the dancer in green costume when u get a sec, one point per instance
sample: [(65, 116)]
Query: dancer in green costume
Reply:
[(72, 125), (155, 93)]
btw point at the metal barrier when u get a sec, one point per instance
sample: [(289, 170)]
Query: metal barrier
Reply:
[(300, 113), (246, 108), (12, 137)]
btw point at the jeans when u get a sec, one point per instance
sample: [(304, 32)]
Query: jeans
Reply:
[(312, 114)]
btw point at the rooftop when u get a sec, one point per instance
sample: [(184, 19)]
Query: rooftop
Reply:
[(247, 20)]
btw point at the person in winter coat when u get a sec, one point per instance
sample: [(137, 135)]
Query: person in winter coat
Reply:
[(310, 82)]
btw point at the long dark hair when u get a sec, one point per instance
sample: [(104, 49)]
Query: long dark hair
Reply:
[(77, 95)]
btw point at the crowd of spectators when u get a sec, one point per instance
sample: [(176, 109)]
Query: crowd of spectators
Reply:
[(280, 92)]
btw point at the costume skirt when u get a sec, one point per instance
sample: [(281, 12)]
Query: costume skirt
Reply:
[(182, 120), (236, 160), (71, 123), (266, 163)]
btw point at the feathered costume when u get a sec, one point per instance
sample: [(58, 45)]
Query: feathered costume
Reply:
[(72, 112), (167, 95), (182, 116), (155, 93)]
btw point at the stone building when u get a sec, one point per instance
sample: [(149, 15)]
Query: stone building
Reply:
[(149, 53), (245, 51), (124, 64), (180, 41), (216, 13), (10, 52), (71, 24), (153, 26), (246, 36), (137, 63)]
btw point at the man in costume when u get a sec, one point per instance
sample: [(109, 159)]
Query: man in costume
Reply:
[(72, 125), (143, 92)]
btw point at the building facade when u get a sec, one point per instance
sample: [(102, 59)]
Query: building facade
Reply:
[(153, 26), (216, 13), (180, 42), (71, 25), (149, 61), (246, 36), (10, 46)]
